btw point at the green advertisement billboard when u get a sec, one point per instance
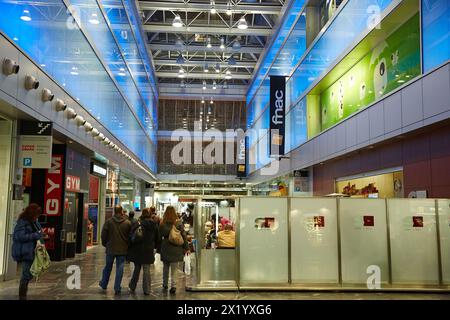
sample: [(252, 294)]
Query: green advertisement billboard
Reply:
[(389, 65)]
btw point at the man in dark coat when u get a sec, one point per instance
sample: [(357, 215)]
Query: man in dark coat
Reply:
[(142, 251), (115, 237)]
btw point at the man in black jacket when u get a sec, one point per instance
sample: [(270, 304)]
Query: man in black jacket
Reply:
[(115, 237)]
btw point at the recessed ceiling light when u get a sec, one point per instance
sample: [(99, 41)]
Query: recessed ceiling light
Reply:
[(25, 16), (93, 19)]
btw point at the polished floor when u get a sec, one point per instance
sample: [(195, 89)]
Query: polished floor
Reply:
[(53, 286)]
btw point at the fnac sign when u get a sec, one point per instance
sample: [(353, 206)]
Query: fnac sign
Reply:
[(54, 187)]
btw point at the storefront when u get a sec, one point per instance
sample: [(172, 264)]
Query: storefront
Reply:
[(377, 184), (112, 191), (62, 192), (5, 169), (127, 189)]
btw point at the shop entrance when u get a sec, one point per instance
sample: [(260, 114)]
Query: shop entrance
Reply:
[(216, 242), (81, 224)]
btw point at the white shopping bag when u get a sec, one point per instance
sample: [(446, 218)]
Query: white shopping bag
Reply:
[(187, 264)]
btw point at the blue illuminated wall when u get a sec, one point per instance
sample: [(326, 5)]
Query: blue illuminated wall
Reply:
[(121, 97), (303, 67), (435, 33)]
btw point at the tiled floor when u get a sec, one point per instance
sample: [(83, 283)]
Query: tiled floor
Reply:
[(52, 285)]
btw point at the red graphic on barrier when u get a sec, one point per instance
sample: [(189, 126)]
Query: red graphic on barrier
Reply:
[(369, 221), (417, 221)]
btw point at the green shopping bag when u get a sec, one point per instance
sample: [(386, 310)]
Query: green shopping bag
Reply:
[(41, 261)]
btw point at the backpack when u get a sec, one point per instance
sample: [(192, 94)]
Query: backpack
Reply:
[(138, 234), (41, 261), (175, 236)]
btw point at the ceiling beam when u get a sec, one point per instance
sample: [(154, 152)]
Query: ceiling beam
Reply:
[(173, 63), (173, 47), (161, 28), (203, 75), (201, 7)]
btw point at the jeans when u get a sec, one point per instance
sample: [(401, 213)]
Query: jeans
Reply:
[(26, 274), (120, 263), (146, 281), (173, 273)]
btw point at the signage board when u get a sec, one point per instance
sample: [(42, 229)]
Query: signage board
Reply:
[(35, 144), (241, 161), (54, 187), (277, 115), (98, 170)]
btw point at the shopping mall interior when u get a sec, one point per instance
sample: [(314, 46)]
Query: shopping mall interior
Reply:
[(304, 145)]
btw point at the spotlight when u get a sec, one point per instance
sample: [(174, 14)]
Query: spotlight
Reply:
[(213, 7), (242, 24), (177, 23), (47, 95)]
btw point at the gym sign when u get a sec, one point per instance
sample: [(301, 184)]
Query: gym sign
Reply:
[(54, 187), (277, 115)]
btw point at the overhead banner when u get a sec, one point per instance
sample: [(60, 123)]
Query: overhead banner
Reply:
[(35, 144), (241, 163), (277, 115)]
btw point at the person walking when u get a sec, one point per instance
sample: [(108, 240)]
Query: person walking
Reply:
[(115, 237), (131, 217), (171, 254), (27, 233), (144, 241)]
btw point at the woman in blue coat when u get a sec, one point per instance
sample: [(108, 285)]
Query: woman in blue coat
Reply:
[(26, 233)]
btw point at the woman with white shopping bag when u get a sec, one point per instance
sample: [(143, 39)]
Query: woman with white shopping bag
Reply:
[(27, 233)]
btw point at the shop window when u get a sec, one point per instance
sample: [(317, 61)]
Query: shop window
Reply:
[(372, 185)]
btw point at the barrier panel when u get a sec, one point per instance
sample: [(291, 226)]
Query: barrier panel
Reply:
[(314, 241), (444, 238), (333, 244), (364, 247), (413, 238), (263, 242)]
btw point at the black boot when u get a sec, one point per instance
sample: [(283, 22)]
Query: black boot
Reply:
[(23, 288)]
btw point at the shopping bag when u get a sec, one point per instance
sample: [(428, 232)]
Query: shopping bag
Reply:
[(41, 261), (187, 264)]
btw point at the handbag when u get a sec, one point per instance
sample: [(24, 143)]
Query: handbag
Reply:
[(138, 234), (41, 261), (175, 236)]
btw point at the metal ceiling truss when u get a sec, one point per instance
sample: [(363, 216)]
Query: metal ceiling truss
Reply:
[(243, 47)]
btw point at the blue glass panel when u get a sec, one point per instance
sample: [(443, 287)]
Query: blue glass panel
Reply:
[(288, 21), (55, 43), (435, 33)]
